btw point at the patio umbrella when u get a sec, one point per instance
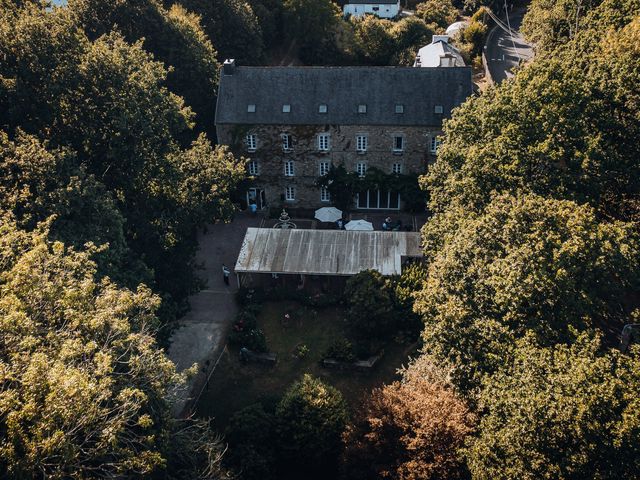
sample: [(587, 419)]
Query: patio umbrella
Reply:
[(328, 214), (359, 225)]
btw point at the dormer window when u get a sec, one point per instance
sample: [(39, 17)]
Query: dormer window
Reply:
[(322, 108), (399, 108), (251, 108), (362, 108), (438, 109), (286, 108)]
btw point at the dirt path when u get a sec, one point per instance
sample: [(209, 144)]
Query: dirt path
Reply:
[(203, 330)]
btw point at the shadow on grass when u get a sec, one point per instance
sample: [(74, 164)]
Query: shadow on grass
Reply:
[(235, 385)]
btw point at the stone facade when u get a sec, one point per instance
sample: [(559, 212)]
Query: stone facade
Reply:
[(273, 175)]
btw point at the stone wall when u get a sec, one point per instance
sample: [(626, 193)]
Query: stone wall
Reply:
[(271, 157)]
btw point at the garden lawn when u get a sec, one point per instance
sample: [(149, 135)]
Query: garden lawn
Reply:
[(235, 385)]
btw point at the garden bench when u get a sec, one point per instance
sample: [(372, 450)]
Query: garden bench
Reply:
[(247, 355)]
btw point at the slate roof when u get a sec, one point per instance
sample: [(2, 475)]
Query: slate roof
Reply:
[(325, 252), (342, 89), (429, 55)]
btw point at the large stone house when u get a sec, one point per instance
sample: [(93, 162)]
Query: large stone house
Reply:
[(294, 123)]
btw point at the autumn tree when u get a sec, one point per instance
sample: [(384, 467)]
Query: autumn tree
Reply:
[(311, 418), (410, 430), (560, 412), (84, 387)]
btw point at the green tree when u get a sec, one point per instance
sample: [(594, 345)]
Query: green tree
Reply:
[(555, 130), (311, 418), (410, 430), (312, 25), (106, 102), (371, 313), (232, 26), (173, 36), (376, 44), (83, 386), (567, 412), (252, 443), (527, 264), (441, 13), (549, 23)]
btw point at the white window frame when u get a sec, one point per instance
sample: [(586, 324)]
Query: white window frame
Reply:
[(324, 142), (325, 196), (361, 169), (289, 168), (251, 141), (396, 168), (253, 168), (290, 193), (362, 196), (324, 168), (395, 148), (435, 144), (287, 142), (362, 143)]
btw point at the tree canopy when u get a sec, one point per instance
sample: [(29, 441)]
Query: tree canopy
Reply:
[(566, 412), (83, 386)]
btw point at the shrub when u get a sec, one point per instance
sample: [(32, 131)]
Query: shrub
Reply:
[(341, 350), (311, 419), (301, 351), (370, 308), (251, 442), (247, 296)]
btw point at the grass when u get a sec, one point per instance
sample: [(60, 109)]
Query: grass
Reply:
[(235, 385)]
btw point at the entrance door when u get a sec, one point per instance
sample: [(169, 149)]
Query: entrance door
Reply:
[(257, 196)]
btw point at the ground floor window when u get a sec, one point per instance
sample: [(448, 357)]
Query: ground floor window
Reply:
[(290, 193), (378, 199), (325, 196)]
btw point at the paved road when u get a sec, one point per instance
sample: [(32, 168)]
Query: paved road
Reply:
[(203, 331), (504, 51)]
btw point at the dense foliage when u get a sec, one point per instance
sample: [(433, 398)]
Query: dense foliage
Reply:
[(83, 385), (410, 430), (99, 117), (561, 412)]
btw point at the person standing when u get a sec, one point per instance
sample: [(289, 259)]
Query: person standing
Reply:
[(225, 274)]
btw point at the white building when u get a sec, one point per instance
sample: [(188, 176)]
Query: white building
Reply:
[(456, 27), (379, 8), (439, 53)]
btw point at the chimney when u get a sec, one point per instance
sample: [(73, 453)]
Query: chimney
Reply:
[(447, 60), (229, 66), (440, 38)]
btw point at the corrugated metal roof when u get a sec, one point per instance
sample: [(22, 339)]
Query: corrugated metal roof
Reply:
[(325, 252), (342, 90)]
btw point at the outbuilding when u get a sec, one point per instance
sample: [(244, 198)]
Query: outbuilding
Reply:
[(379, 8), (269, 253)]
